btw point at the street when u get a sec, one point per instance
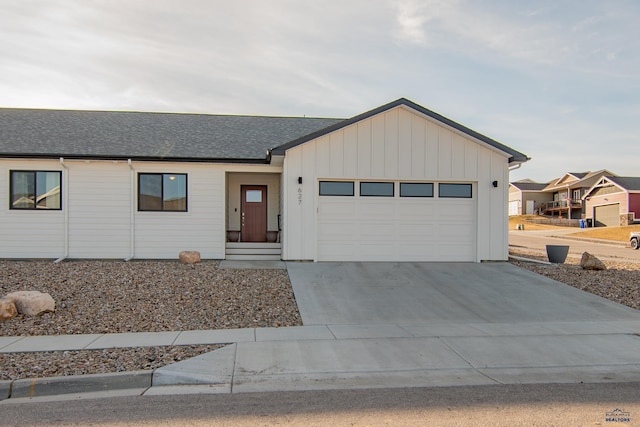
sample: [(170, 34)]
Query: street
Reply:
[(534, 404), (538, 239)]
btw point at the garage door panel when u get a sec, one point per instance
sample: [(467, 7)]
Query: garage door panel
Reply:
[(396, 229), (376, 231), (416, 231), (336, 230), (607, 215)]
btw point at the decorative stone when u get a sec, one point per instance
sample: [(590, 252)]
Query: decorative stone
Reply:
[(189, 257), (7, 309), (591, 262), (32, 303)]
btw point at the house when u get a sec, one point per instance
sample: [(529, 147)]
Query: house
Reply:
[(526, 197), (397, 183), (561, 197), (613, 201)]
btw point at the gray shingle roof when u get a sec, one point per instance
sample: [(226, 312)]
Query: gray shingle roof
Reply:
[(529, 186), (631, 183), (137, 135)]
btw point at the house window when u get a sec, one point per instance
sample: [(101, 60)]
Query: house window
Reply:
[(416, 189), (376, 189), (336, 188), (576, 194), (457, 191), (35, 190), (162, 192)]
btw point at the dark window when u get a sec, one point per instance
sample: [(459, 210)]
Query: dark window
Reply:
[(35, 190), (162, 192), (378, 189), (336, 188), (459, 191), (416, 189)]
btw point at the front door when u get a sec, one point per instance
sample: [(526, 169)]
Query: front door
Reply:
[(253, 220)]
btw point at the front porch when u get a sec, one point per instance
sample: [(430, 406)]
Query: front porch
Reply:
[(253, 216)]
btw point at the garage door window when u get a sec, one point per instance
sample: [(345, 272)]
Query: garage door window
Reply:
[(336, 188), (456, 191), (376, 189), (416, 189)]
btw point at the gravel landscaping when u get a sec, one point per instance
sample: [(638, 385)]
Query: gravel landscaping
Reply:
[(94, 297), (620, 282), (144, 296)]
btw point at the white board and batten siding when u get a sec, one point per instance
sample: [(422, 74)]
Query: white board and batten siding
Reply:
[(29, 233), (399, 145), (101, 204)]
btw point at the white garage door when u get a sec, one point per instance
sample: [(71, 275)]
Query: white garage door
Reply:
[(358, 228), (513, 207)]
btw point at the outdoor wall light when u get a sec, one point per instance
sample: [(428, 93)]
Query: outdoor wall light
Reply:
[(495, 184), (299, 180)]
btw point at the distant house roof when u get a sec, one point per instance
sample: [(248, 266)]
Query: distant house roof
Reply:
[(630, 183), (139, 135), (516, 156), (583, 180), (529, 186)]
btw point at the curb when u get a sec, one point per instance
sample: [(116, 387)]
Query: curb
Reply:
[(75, 384), (592, 240)]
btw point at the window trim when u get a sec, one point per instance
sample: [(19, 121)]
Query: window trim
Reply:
[(35, 187), (162, 176), (393, 188), (417, 183), (353, 189), (469, 185)]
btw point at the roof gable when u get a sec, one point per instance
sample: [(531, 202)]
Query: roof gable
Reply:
[(515, 156)]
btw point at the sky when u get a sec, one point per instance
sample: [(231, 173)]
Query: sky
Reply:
[(557, 80)]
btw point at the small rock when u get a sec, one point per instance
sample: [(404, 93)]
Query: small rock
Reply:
[(591, 262), (32, 303), (7, 309), (189, 257)]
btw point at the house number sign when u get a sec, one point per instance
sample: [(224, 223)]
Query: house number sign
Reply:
[(299, 194)]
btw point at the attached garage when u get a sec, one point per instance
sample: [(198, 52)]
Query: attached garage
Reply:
[(398, 183), (403, 224), (607, 215)]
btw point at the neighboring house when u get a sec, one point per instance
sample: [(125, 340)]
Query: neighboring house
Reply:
[(397, 183), (562, 197), (613, 201), (526, 197)]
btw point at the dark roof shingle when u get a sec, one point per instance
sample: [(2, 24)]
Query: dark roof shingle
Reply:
[(111, 134)]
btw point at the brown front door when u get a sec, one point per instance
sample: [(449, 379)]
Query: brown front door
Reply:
[(253, 220)]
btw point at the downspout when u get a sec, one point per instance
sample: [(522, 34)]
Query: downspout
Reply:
[(65, 208), (514, 167), (132, 218)]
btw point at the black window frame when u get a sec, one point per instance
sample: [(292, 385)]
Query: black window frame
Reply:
[(457, 184), (162, 175), (353, 189), (35, 190), (417, 195)]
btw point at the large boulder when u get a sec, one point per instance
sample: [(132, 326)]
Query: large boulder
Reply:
[(591, 262), (189, 257), (32, 303), (8, 309)]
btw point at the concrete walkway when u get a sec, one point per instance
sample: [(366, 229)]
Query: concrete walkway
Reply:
[(478, 324)]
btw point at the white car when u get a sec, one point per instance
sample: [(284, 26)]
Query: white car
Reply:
[(634, 239)]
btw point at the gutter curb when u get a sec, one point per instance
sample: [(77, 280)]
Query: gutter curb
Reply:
[(75, 384)]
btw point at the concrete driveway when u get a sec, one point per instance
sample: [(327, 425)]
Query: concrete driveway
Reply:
[(423, 293), (425, 324)]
